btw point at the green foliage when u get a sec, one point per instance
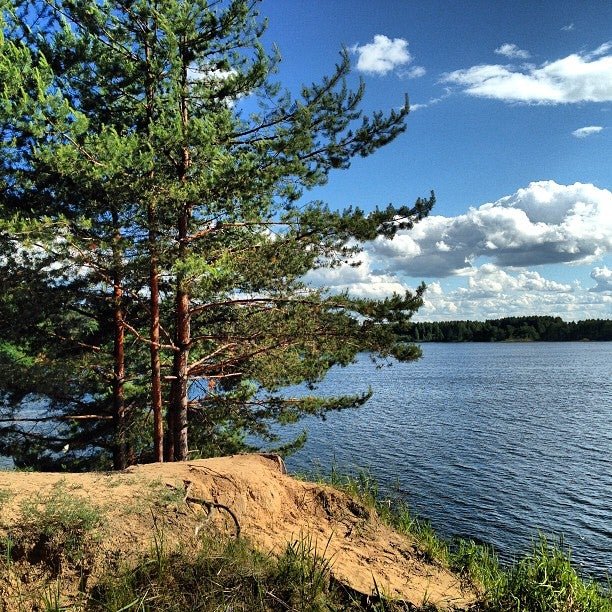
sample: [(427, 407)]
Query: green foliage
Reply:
[(545, 581), (478, 562), (160, 167)]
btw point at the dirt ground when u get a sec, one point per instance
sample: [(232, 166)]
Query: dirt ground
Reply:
[(250, 494)]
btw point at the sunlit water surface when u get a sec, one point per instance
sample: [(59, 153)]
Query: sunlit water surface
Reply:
[(489, 441)]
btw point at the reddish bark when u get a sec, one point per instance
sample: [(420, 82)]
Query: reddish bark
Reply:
[(119, 417)]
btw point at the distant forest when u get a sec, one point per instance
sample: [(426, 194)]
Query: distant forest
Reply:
[(511, 329)]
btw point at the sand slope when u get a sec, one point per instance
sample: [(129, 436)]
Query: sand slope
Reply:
[(271, 508)]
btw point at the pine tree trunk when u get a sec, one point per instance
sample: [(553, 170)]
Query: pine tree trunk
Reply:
[(180, 370), (119, 421), (156, 390), (169, 439), (180, 365), (155, 350)]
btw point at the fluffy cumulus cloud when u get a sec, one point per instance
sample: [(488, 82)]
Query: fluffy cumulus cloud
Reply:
[(543, 223), (603, 278), (488, 255), (360, 277), (579, 77), (588, 130), (512, 51), (383, 55)]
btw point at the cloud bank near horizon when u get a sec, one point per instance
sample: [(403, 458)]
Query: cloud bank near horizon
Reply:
[(491, 250)]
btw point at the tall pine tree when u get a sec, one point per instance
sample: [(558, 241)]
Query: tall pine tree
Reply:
[(176, 203)]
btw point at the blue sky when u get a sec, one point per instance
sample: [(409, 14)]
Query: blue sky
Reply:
[(511, 126)]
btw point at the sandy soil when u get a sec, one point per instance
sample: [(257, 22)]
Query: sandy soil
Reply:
[(270, 507)]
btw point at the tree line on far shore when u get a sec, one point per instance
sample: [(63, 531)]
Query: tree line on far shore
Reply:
[(509, 329)]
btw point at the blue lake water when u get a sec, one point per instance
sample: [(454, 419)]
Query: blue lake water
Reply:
[(489, 441)]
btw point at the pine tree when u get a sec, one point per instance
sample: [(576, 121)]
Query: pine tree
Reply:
[(184, 202)]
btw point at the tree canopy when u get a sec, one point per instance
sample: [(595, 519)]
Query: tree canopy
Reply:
[(154, 236)]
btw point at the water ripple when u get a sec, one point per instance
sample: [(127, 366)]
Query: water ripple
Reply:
[(494, 441)]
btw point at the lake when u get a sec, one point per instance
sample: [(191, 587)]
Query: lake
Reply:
[(489, 441)]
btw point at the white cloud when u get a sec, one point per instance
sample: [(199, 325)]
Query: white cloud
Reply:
[(488, 255), (416, 107), (413, 73), (603, 278), (543, 223), (490, 280), (489, 292), (360, 280), (430, 102), (512, 51), (492, 292), (580, 77), (601, 50), (382, 55), (587, 131)]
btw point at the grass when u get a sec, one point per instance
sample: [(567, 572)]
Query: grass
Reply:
[(307, 572), (61, 526), (5, 495), (227, 574), (161, 494), (545, 581)]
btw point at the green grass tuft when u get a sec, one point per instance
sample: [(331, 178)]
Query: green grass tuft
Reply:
[(5, 496), (545, 581), (303, 575), (61, 525)]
